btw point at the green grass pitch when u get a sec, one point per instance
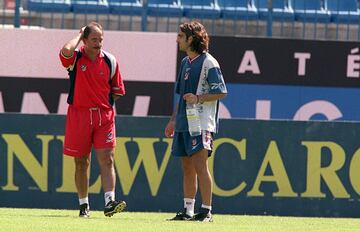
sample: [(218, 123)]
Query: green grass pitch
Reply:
[(45, 219)]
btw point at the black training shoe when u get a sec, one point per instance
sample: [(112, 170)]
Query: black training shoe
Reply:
[(204, 216), (181, 216), (84, 210), (114, 207)]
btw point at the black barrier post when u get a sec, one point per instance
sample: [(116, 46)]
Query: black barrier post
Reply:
[(269, 21), (144, 16), (17, 14)]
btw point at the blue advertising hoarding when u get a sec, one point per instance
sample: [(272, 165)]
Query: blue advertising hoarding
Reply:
[(292, 102), (288, 168)]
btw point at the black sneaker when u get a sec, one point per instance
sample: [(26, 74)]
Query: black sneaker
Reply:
[(181, 216), (204, 215), (84, 210), (114, 207)]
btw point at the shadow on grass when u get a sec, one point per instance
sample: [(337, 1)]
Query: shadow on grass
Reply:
[(47, 215), (65, 216)]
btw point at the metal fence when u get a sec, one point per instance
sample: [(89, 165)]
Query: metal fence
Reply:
[(303, 19)]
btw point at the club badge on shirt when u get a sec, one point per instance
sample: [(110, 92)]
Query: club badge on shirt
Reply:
[(186, 76), (187, 73), (83, 67)]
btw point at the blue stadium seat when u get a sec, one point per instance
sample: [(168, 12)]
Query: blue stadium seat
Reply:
[(282, 10), (344, 10), (90, 6), (238, 9), (126, 7), (165, 8), (200, 9), (310, 10), (62, 6)]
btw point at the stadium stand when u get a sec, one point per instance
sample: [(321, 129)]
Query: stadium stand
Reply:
[(344, 10), (63, 6), (169, 8), (201, 9), (281, 10), (126, 7), (238, 9), (288, 18), (90, 6), (313, 10)]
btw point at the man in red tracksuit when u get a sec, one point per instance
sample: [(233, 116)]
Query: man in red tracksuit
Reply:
[(95, 83)]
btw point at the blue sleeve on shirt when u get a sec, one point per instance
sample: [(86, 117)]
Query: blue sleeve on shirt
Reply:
[(216, 81)]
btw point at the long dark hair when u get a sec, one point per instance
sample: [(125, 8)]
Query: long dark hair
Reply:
[(196, 30)]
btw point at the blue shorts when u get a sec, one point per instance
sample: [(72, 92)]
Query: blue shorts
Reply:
[(186, 145)]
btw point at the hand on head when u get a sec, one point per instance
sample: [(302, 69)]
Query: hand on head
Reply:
[(82, 31)]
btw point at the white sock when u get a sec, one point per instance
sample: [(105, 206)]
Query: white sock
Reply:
[(189, 205), (206, 206), (109, 196), (84, 200)]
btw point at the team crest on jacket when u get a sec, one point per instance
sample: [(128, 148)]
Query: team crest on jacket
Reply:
[(83, 67)]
